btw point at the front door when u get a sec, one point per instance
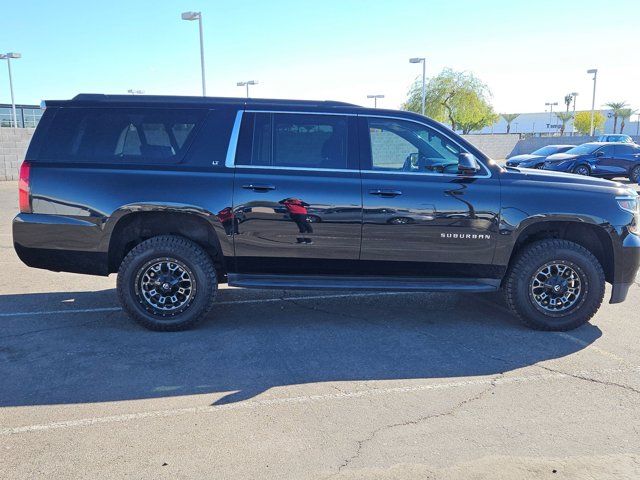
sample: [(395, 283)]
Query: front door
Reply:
[(420, 217), (297, 201)]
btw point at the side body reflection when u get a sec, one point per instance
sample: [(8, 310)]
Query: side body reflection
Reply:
[(229, 221), (298, 212)]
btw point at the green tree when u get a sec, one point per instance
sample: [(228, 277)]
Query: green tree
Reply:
[(625, 114), (565, 118), (582, 122), (457, 98), (616, 107)]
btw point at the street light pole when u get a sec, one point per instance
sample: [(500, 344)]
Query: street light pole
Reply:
[(375, 99), (550, 104), (8, 57), (198, 16), (573, 128), (593, 101), (424, 73), (246, 84)]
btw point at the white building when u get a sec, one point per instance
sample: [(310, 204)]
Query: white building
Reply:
[(547, 123)]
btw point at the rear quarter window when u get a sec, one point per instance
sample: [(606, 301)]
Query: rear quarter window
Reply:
[(119, 135)]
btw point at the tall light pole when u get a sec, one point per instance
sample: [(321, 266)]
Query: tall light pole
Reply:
[(246, 84), (424, 72), (198, 16), (550, 105), (573, 129), (593, 101), (8, 57), (375, 99)]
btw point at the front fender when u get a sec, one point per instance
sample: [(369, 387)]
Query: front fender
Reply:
[(515, 223)]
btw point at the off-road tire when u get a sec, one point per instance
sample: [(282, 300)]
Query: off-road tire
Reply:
[(517, 284), (199, 265)]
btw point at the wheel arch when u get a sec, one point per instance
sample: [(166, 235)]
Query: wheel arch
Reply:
[(594, 238), (130, 228)]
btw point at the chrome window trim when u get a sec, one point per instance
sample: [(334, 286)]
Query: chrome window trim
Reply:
[(235, 133), (305, 169), (487, 174), (233, 141), (427, 174)]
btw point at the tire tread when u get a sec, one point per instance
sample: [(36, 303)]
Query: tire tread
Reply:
[(530, 254), (172, 243)]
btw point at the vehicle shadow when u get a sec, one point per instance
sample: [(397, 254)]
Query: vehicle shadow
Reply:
[(246, 348)]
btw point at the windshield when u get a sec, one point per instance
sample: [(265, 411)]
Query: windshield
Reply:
[(545, 151), (583, 149)]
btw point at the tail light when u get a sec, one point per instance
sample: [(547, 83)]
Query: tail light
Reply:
[(24, 188)]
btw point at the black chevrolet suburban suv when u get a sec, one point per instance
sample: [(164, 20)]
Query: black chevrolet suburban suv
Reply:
[(179, 194)]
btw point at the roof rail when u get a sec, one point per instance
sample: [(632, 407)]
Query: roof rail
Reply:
[(100, 97)]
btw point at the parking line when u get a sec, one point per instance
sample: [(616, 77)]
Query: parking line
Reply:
[(257, 404), (232, 302)]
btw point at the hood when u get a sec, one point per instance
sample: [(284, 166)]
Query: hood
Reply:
[(523, 158), (568, 180), (561, 157)]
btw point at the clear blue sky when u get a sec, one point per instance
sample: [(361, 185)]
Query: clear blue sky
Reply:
[(528, 52)]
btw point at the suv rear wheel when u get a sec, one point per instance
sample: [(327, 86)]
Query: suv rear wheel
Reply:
[(635, 174), (167, 283), (555, 285)]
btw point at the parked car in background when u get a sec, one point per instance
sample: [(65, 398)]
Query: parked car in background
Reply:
[(615, 138), (607, 160), (536, 158)]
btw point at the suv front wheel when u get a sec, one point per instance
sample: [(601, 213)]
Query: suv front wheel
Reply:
[(555, 285), (167, 283), (635, 174)]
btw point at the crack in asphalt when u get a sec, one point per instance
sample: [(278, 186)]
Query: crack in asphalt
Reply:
[(360, 444), (590, 379)]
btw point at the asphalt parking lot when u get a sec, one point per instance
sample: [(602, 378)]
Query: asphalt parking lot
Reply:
[(280, 384)]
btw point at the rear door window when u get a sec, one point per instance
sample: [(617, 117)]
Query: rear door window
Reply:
[(625, 150), (119, 135), (294, 141)]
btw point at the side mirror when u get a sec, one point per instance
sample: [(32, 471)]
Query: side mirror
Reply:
[(599, 154), (467, 164)]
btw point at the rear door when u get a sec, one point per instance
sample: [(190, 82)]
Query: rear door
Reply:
[(297, 204), (627, 156), (606, 161), (420, 217)]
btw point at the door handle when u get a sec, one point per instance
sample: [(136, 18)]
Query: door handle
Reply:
[(385, 193), (256, 187)]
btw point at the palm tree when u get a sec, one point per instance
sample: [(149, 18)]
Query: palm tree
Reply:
[(567, 100), (616, 107), (564, 118), (509, 117), (625, 114)]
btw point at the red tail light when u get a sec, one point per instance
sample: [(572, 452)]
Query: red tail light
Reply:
[(24, 188)]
